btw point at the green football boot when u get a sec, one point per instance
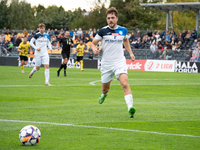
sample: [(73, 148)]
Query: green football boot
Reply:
[(131, 112), (102, 98)]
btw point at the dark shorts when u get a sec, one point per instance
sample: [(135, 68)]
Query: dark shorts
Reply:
[(79, 58), (65, 55), (23, 58)]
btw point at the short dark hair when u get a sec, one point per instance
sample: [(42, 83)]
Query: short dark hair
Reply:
[(41, 25), (112, 10)]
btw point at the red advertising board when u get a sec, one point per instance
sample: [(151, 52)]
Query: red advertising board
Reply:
[(136, 65)]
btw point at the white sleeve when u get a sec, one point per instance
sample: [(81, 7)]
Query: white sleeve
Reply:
[(98, 37), (32, 43), (49, 44)]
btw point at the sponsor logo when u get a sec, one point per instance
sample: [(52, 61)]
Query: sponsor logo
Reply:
[(188, 67), (115, 34), (120, 32), (108, 33), (160, 65), (135, 65)]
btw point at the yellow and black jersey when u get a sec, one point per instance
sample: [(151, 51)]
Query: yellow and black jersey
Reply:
[(24, 47), (80, 47)]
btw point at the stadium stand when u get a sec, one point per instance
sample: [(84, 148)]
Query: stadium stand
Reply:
[(140, 43)]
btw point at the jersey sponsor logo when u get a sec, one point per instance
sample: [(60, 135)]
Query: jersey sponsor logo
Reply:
[(115, 34), (113, 41), (120, 32), (108, 33)]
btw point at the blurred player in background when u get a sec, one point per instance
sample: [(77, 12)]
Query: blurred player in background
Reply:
[(113, 62), (23, 53), (41, 41), (66, 43), (80, 50)]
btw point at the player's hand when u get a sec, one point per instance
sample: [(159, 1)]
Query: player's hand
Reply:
[(22, 51), (38, 49), (132, 57), (96, 52)]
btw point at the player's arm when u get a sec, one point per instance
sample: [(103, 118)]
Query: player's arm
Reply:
[(49, 45), (19, 49), (94, 46), (33, 45), (128, 48)]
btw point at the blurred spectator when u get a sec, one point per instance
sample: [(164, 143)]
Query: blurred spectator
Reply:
[(56, 32), (188, 55), (71, 33), (62, 32), (4, 31), (25, 32), (18, 41), (55, 43), (144, 39), (75, 30), (163, 34), (193, 35), (79, 32), (132, 37), (128, 35), (195, 31), (8, 32), (160, 48), (48, 31), (14, 33), (90, 32), (171, 36), (167, 37), (188, 36), (195, 55), (10, 46), (153, 50), (168, 54), (51, 32), (82, 37), (172, 32), (37, 30), (138, 34), (180, 45), (66, 27), (159, 39), (94, 32), (184, 34), (194, 44), (91, 56), (157, 35), (149, 32), (32, 33)]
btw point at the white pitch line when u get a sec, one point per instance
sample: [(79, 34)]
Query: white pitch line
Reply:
[(108, 128)]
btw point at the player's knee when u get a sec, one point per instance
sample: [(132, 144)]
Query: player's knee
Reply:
[(25, 63), (125, 85)]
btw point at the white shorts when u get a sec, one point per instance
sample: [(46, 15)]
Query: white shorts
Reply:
[(41, 59), (108, 71)]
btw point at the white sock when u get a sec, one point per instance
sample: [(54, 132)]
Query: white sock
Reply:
[(33, 70), (129, 100), (46, 73)]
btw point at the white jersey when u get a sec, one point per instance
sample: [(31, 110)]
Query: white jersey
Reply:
[(112, 43), (41, 41)]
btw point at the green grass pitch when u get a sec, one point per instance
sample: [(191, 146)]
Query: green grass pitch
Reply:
[(69, 116)]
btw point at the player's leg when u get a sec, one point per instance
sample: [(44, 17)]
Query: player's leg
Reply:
[(106, 78), (22, 65), (123, 79), (46, 73), (45, 62), (81, 62), (105, 87), (65, 65), (37, 65), (77, 60)]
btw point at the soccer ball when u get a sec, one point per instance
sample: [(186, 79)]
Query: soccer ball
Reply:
[(29, 135)]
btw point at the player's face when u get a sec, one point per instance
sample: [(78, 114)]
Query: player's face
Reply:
[(42, 29), (112, 20), (25, 40), (81, 42), (66, 34)]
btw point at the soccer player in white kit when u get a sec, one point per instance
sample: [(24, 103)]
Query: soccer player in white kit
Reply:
[(41, 40), (113, 62)]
